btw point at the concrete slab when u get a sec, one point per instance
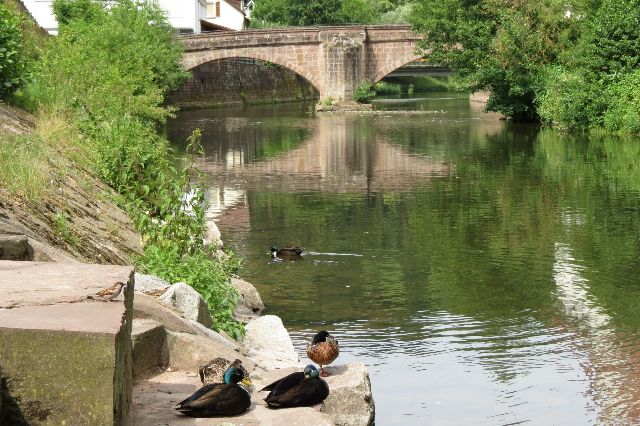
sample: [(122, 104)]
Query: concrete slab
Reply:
[(65, 358), (40, 283)]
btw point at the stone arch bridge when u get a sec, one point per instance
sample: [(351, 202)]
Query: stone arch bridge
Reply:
[(333, 59)]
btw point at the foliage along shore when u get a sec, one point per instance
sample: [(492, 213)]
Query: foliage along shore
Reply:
[(572, 63), (97, 90)]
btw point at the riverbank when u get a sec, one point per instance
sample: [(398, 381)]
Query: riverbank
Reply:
[(168, 325), (73, 217)]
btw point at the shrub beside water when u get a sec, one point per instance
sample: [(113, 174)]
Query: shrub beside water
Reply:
[(364, 92), (383, 88), (108, 70)]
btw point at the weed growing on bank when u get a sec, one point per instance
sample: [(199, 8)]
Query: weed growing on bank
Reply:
[(108, 72), (364, 92)]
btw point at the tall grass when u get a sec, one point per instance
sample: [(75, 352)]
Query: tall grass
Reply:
[(24, 169), (383, 88)]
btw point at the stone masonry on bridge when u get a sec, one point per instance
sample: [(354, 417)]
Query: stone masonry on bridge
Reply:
[(333, 59)]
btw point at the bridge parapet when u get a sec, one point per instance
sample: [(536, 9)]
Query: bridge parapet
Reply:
[(334, 59)]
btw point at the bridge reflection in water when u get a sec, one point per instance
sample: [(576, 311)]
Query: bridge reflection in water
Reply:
[(331, 160)]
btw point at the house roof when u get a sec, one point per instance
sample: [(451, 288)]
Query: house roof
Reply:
[(236, 3), (210, 26)]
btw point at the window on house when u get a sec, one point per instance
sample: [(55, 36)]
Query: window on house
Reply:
[(213, 9)]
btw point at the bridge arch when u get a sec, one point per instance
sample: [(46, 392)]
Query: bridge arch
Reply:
[(262, 56), (398, 63)]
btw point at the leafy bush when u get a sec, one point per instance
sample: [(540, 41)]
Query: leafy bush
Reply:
[(384, 88), (496, 45), (208, 277), (570, 100), (609, 46), (67, 11), (12, 63), (122, 63), (364, 92), (109, 69), (623, 113), (597, 84)]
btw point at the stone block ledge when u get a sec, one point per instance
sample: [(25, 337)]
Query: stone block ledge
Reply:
[(65, 357)]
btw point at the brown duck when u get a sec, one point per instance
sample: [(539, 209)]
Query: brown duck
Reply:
[(213, 371), (323, 350)]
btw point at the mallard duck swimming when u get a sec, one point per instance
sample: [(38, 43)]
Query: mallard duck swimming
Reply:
[(323, 350), (213, 371), (286, 252), (300, 389), (219, 399)]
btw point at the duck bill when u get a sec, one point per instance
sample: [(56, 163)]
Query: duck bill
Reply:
[(247, 382)]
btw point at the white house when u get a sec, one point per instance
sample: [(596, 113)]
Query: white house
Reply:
[(186, 16)]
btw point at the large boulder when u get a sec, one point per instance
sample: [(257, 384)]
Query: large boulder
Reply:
[(249, 304), (15, 247), (268, 344), (212, 235), (188, 301), (350, 402), (150, 284)]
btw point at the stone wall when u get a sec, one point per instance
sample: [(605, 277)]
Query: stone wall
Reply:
[(241, 81)]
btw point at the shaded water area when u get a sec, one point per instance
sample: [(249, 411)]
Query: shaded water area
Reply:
[(486, 273)]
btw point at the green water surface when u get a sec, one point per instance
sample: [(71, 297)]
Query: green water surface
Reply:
[(487, 273)]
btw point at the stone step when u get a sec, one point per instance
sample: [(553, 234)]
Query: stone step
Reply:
[(65, 357), (148, 346)]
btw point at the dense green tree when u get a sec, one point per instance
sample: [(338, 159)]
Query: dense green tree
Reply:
[(596, 83), (319, 12), (12, 62), (328, 12), (359, 12), (497, 45), (271, 13), (66, 11)]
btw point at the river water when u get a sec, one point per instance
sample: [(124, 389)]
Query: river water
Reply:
[(486, 273)]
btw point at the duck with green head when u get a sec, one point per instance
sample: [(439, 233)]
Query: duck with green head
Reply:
[(299, 389), (219, 399)]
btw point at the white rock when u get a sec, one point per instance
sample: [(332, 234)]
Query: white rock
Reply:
[(249, 301), (145, 283), (188, 301), (212, 235), (268, 344), (350, 402)]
